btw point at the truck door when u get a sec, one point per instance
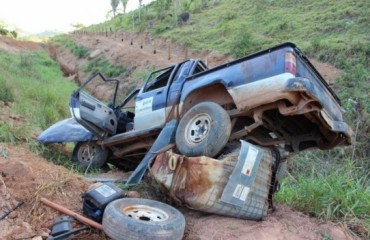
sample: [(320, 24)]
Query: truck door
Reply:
[(91, 112), (150, 109)]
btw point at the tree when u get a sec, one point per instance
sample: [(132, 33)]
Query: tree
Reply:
[(114, 4), (14, 34), (3, 28), (124, 3), (77, 26), (3, 31)]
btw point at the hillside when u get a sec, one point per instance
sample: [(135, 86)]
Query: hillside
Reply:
[(336, 32), (331, 186), (25, 176)]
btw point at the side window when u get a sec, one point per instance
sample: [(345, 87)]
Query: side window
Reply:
[(129, 103), (158, 79)]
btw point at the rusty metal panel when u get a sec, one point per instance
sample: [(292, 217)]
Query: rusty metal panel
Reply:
[(242, 178), (199, 182)]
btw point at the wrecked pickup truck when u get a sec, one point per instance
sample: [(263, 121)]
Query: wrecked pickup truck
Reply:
[(271, 98)]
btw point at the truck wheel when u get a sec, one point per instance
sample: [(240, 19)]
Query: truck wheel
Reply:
[(203, 130), (87, 154), (138, 218)]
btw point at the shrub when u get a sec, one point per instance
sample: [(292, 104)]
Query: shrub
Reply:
[(102, 65), (242, 44)]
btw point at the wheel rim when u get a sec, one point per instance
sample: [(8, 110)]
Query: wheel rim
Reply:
[(198, 128), (145, 213), (87, 152)]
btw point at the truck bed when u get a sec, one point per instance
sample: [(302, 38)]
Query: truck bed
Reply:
[(274, 97)]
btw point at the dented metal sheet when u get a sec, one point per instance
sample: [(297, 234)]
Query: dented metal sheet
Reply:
[(243, 176), (199, 182)]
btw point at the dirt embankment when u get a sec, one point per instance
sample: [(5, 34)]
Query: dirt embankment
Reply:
[(121, 53), (13, 46), (26, 177), (136, 53)]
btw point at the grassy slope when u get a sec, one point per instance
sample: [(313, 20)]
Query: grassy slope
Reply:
[(329, 184), (39, 94), (331, 31), (34, 83)]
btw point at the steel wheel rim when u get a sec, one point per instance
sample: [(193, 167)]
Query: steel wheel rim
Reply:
[(87, 152), (198, 128), (145, 213)]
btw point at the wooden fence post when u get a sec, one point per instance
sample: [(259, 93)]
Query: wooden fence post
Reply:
[(169, 51), (186, 53), (155, 46)]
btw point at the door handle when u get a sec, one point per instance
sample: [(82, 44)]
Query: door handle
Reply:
[(88, 105), (159, 92)]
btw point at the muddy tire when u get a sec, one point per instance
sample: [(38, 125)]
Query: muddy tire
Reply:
[(203, 130), (138, 218), (87, 154)]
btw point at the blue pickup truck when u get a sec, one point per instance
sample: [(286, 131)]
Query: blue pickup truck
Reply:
[(271, 98)]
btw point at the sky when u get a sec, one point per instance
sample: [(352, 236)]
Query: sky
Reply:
[(36, 16)]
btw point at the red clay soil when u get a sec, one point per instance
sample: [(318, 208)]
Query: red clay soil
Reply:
[(12, 46), (26, 177)]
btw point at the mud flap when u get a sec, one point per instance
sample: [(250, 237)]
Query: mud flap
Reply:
[(163, 142)]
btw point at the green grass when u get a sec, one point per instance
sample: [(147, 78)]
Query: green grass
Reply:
[(78, 51), (6, 93), (60, 154), (34, 83), (336, 190), (103, 65), (38, 92)]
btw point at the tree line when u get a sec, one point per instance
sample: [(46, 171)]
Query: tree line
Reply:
[(4, 31)]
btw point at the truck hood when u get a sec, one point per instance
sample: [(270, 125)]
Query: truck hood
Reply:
[(67, 130)]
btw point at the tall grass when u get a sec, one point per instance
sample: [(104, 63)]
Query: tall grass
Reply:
[(103, 65), (330, 189), (37, 89)]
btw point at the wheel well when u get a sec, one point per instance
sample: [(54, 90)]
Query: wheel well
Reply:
[(216, 93)]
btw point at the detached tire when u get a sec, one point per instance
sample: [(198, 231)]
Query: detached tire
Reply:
[(138, 218), (85, 153), (203, 130)]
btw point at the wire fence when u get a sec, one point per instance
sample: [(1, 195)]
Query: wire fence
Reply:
[(144, 40)]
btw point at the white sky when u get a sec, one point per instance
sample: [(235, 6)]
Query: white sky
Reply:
[(35, 16)]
